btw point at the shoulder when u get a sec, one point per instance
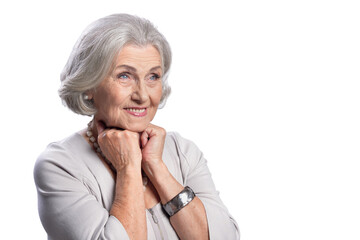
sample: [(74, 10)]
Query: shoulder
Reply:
[(61, 158), (62, 151), (185, 149), (180, 142)]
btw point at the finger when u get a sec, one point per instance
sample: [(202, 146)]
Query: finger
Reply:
[(144, 138), (153, 130), (100, 126)]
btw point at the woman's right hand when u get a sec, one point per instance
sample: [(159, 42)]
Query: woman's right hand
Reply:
[(120, 147)]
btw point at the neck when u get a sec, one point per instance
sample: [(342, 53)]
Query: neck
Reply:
[(92, 125)]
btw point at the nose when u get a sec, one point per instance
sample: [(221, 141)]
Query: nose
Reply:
[(140, 93)]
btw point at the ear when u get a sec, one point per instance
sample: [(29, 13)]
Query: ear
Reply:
[(88, 95)]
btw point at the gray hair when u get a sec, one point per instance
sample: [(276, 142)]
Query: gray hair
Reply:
[(92, 57)]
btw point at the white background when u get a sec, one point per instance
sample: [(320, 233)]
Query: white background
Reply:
[(269, 90)]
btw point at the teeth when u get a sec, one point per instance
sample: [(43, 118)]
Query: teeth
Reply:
[(136, 110)]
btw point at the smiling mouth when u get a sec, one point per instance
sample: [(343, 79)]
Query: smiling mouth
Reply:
[(138, 112)]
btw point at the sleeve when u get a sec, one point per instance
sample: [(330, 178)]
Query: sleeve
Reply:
[(221, 224), (66, 206)]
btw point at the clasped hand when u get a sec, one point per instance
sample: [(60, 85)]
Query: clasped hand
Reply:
[(127, 149)]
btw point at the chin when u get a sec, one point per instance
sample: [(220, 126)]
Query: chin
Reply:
[(137, 128)]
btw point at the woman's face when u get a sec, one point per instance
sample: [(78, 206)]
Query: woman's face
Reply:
[(129, 96)]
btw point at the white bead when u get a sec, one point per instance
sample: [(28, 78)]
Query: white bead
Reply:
[(89, 133)]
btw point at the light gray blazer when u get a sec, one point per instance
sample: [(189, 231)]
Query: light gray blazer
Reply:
[(76, 191)]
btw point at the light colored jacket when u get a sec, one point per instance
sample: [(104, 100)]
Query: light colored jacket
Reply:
[(76, 191)]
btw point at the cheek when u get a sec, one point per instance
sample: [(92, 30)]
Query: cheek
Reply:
[(117, 96), (107, 98), (156, 99), (157, 94)]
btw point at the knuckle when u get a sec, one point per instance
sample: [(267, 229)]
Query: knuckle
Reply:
[(126, 133), (162, 131), (101, 137), (100, 140), (130, 134), (112, 135)]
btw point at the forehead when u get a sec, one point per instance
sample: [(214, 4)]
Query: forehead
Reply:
[(138, 56)]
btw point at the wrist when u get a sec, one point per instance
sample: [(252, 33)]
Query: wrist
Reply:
[(130, 173), (129, 186), (164, 182), (128, 166), (157, 173), (179, 201)]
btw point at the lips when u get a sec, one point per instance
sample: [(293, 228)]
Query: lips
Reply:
[(138, 112)]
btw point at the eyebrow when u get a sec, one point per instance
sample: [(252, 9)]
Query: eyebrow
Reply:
[(132, 69)]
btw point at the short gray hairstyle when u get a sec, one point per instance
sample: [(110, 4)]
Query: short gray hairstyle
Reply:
[(92, 57)]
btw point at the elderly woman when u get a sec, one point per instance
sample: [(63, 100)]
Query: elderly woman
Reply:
[(123, 177)]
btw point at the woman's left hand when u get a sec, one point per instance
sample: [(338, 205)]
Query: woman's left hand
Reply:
[(152, 143)]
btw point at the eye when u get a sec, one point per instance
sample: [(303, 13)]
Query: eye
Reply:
[(123, 76), (154, 77)]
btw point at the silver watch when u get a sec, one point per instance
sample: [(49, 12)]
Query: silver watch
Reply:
[(179, 201)]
